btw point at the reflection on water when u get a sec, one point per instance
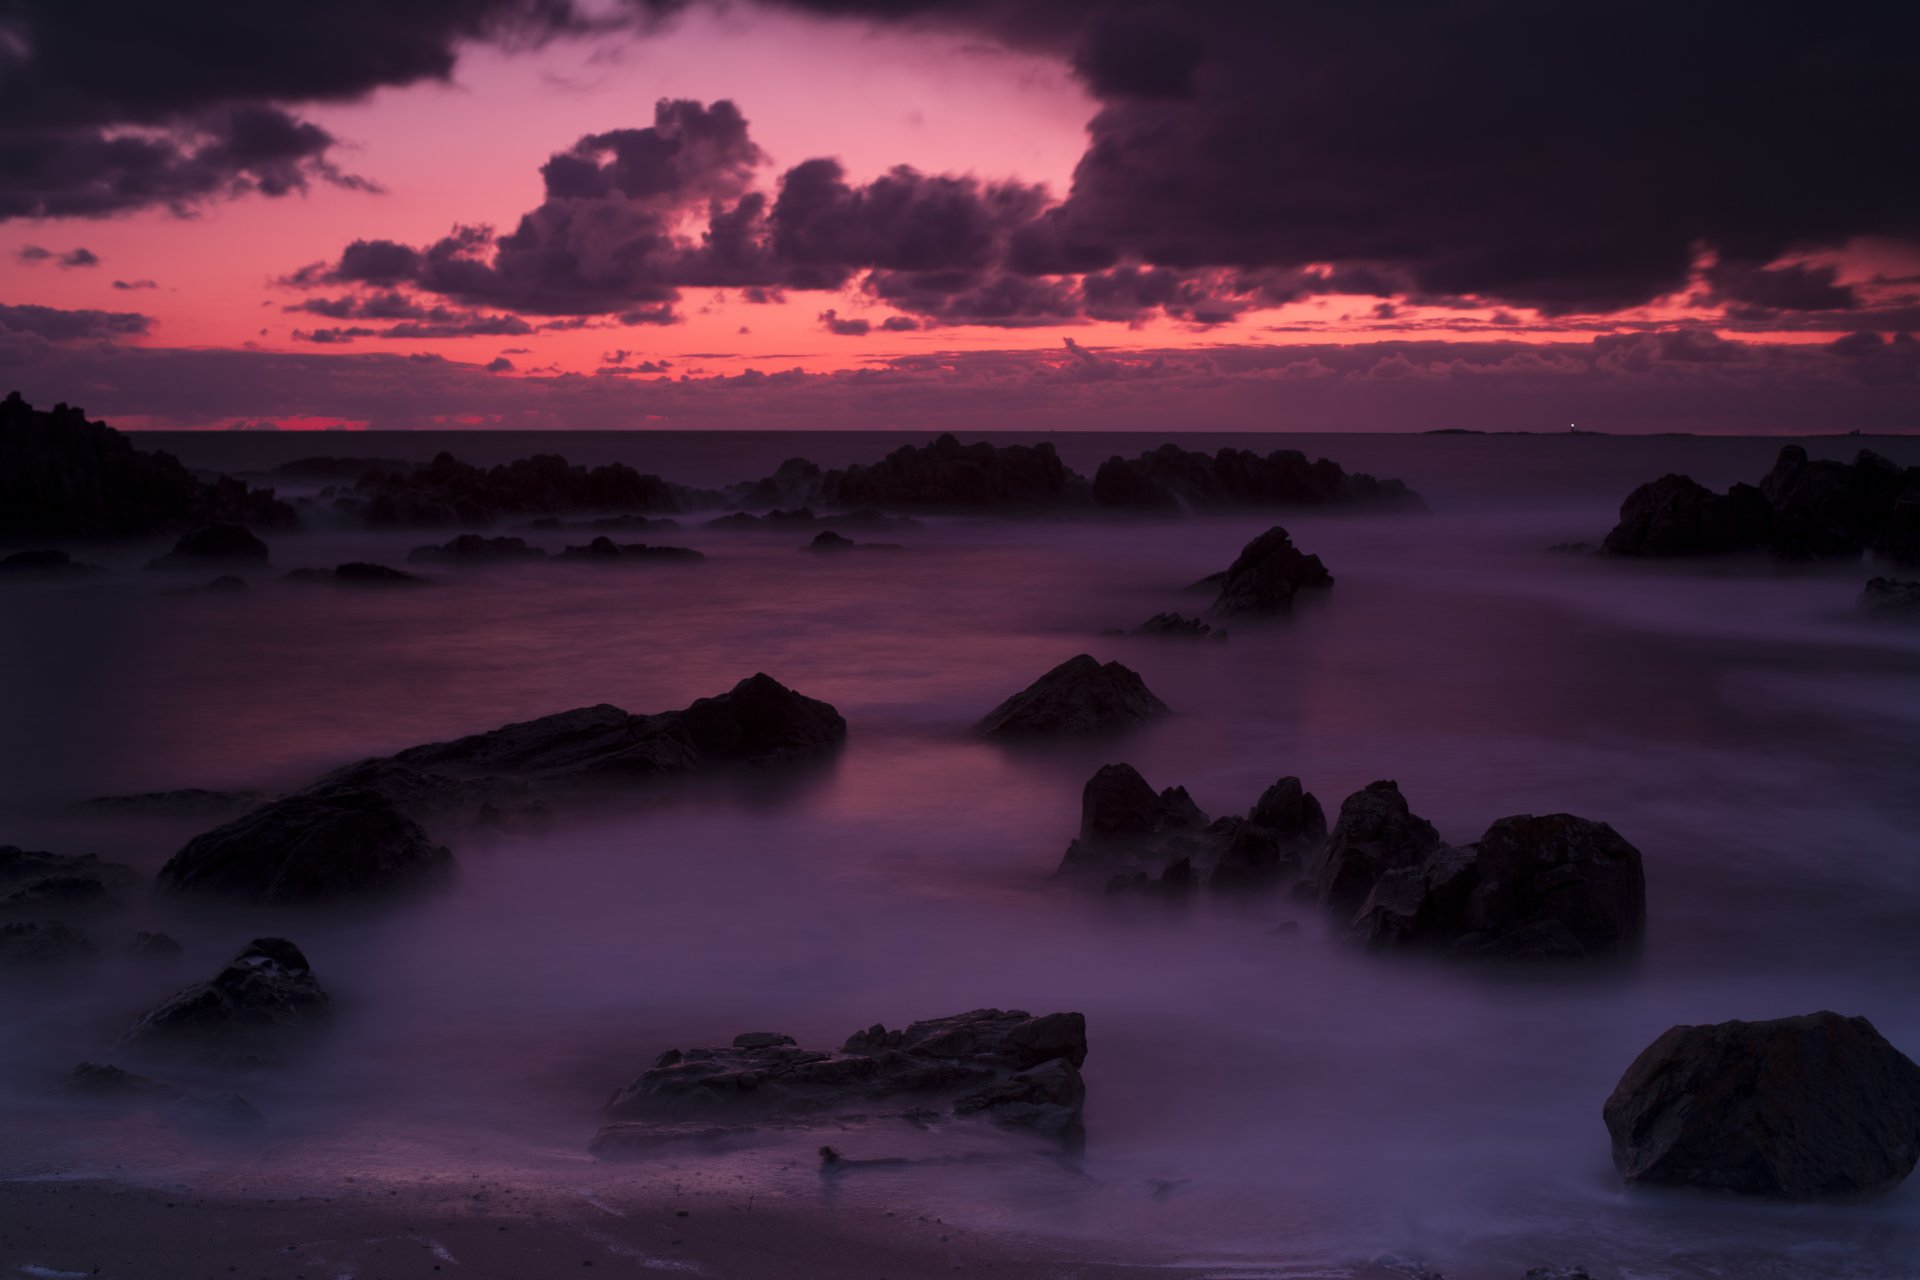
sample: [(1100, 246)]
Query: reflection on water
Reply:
[(1255, 1091)]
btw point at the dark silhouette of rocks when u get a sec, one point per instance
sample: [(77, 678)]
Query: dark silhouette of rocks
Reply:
[(359, 573), (864, 520), (1012, 1068), (448, 492), (1266, 576), (260, 1007), (1172, 479), (604, 550), (620, 524), (1176, 626), (1078, 698), (227, 584), (103, 1085), (155, 946), (1532, 888), (1802, 509), (829, 541), (1375, 833), (30, 943), (214, 544), (953, 476), (185, 802), (1573, 549), (475, 548), (46, 564), (39, 881), (326, 467), (64, 477), (1815, 1107), (328, 843), (1132, 838), (1891, 598), (104, 1082)]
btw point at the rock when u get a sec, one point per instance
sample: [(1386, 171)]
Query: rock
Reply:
[(1557, 1273), (335, 842), (1285, 825), (1573, 549), (1269, 572), (62, 476), (1375, 833), (259, 1007), (58, 892), (46, 564), (159, 946), (358, 573), (99, 1081), (1815, 1107), (36, 942), (447, 491), (1174, 479), (948, 474), (33, 880), (1125, 825), (211, 544), (604, 550), (1018, 1070), (1891, 598), (185, 802), (226, 582), (1831, 508), (828, 540), (474, 548), (1550, 887), (625, 524), (1133, 839), (1674, 516), (1176, 626), (1078, 698)]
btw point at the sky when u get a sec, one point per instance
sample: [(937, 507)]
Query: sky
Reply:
[(963, 214)]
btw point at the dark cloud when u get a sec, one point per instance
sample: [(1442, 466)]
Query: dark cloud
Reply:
[(847, 327), (33, 254), (499, 364), (131, 285), (56, 325), (79, 258), (1762, 291)]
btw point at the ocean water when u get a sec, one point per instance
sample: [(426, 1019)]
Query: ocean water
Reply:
[(1263, 1099)]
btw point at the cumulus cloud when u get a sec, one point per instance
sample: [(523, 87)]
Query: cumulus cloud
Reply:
[(56, 325)]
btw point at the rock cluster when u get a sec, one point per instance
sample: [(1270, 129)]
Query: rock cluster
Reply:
[(1175, 626), (1172, 479), (1078, 698), (260, 1006), (211, 545), (604, 550), (475, 548), (449, 492), (948, 474), (1266, 576)]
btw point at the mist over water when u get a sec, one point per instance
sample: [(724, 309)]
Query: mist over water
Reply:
[(1254, 1092)]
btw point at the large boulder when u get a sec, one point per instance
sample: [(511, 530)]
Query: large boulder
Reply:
[(1010, 1067), (1174, 479), (1078, 698), (1266, 576), (1815, 1107), (1375, 833), (1829, 508), (261, 1005), (1676, 516), (1269, 845), (333, 842), (214, 544)]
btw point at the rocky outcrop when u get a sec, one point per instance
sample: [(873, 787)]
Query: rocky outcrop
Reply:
[(448, 492), (358, 573), (64, 477), (31, 943), (187, 801), (610, 524), (949, 475), (1816, 1107), (1175, 626), (1266, 576), (1801, 509), (326, 843), (209, 545), (259, 1008), (864, 520), (604, 550), (1134, 838), (46, 564), (1170, 479), (154, 946), (475, 548), (1532, 888), (1009, 1067), (1078, 698), (1889, 597), (1375, 833), (829, 541), (37, 881)]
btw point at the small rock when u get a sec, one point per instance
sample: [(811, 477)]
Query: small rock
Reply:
[(255, 1009), (1269, 572), (1078, 698), (214, 544)]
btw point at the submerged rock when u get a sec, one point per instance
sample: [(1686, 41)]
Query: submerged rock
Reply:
[(1375, 833), (260, 1006), (1175, 626), (1078, 698), (828, 540), (46, 564), (1011, 1067), (1815, 1107), (1171, 478), (604, 550), (333, 842), (1891, 598), (1132, 838), (212, 544), (359, 573), (1266, 576), (474, 548)]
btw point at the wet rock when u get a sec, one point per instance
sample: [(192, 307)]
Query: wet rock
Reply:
[(828, 540), (1532, 888), (1174, 479), (1018, 1070), (448, 492), (1815, 1107), (604, 550), (1675, 516), (187, 801), (1175, 626), (212, 544), (359, 573), (46, 564), (1891, 598), (1078, 698), (335, 842), (1133, 839), (257, 1009), (1831, 508), (1268, 846), (1269, 572), (949, 475), (37, 942), (1375, 833), (156, 946), (474, 548)]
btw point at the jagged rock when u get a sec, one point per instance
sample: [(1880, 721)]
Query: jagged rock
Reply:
[(828, 540), (1269, 572), (1890, 597), (1018, 1070), (948, 474), (258, 1008), (99, 1081), (1831, 508), (625, 524), (184, 802), (211, 544), (1125, 824), (1133, 839), (1285, 824), (333, 842), (447, 491), (358, 573), (1177, 626), (64, 477), (158, 946), (46, 564), (32, 880), (1815, 1107), (58, 892), (1675, 516), (1174, 479), (474, 548), (1550, 887), (1375, 833), (604, 550), (1078, 698), (34, 942)]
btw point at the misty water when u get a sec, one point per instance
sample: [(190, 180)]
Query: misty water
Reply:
[(1262, 1099)]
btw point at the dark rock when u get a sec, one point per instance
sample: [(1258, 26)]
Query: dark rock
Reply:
[(1550, 887), (474, 548), (1375, 833), (325, 467), (1831, 508), (1557, 1273), (604, 550), (102, 1082), (1815, 1107), (1174, 479), (64, 477), (1018, 1070), (1125, 825), (949, 475), (447, 491), (185, 802), (1177, 626), (1674, 516), (1133, 839), (624, 524), (358, 573), (333, 842), (828, 540), (34, 942), (1574, 549), (1268, 846), (41, 882), (256, 1009), (1078, 698), (46, 564), (1890, 597), (58, 892), (1269, 572), (153, 945), (211, 544)]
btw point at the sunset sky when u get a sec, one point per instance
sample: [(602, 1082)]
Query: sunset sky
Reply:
[(954, 213)]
